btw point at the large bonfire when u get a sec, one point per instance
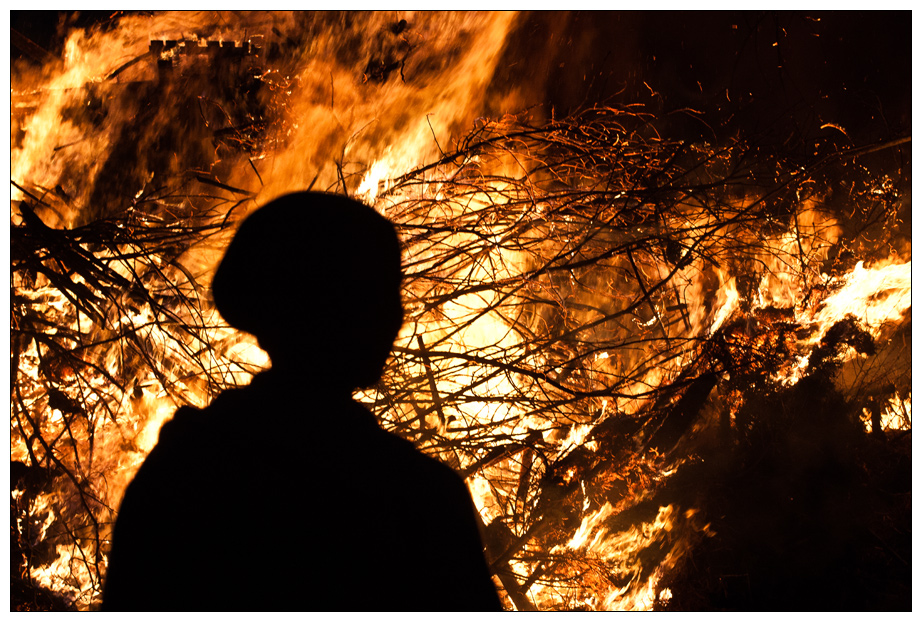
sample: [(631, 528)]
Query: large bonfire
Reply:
[(673, 373)]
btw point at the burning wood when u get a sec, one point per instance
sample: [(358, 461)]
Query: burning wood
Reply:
[(607, 331)]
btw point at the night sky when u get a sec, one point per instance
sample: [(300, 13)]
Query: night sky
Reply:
[(849, 68)]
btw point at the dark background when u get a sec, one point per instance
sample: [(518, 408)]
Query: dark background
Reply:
[(850, 68)]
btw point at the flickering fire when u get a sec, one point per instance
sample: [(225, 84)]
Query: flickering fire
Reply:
[(546, 301)]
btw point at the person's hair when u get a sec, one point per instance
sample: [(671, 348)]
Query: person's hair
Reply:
[(316, 278)]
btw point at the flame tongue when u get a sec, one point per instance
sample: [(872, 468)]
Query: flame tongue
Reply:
[(874, 295)]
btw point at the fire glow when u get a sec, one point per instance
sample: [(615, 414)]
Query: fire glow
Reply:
[(570, 285)]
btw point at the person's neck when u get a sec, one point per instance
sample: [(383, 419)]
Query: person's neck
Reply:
[(326, 381)]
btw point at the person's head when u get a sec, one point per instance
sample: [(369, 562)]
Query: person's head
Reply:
[(316, 278)]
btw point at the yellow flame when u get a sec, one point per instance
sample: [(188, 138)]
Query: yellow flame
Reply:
[(875, 296)]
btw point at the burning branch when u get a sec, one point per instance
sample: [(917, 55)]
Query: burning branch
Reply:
[(105, 318), (530, 286)]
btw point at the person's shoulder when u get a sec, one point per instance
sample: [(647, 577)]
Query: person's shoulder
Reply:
[(418, 464), (189, 422), (185, 420), (187, 436)]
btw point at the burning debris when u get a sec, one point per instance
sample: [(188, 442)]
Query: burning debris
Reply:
[(674, 374)]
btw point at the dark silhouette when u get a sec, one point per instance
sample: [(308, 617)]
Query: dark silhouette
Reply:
[(286, 494)]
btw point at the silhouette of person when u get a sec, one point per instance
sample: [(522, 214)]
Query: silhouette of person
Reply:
[(286, 494)]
